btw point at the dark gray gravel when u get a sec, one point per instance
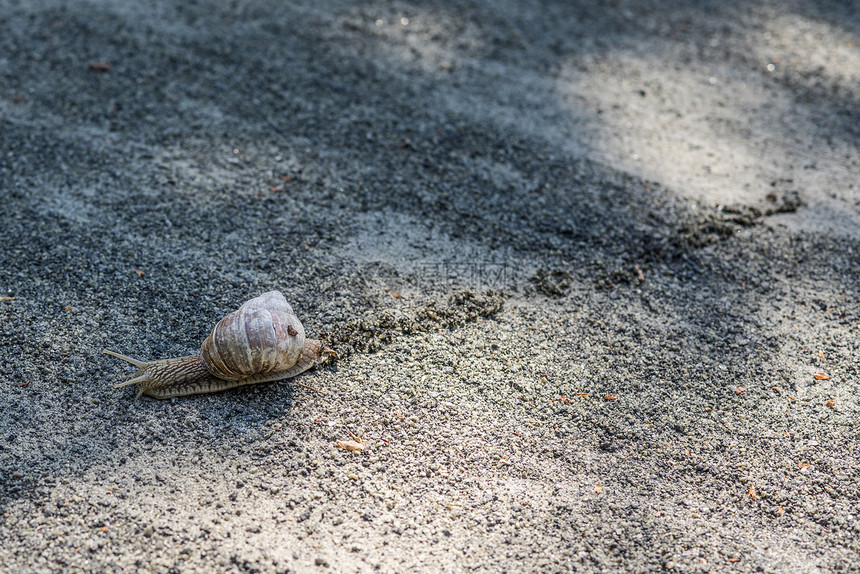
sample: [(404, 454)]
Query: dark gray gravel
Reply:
[(591, 269)]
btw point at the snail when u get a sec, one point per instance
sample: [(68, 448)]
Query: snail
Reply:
[(261, 341)]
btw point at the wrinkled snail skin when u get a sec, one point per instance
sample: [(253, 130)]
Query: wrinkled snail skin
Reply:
[(183, 376), (262, 341)]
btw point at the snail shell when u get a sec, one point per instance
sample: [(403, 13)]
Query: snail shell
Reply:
[(261, 336), (261, 341)]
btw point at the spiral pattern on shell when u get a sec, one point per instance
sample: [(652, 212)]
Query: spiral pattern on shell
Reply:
[(261, 336)]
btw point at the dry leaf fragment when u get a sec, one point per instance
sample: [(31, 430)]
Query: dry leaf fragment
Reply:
[(354, 445), (820, 377), (139, 272), (350, 445), (779, 511), (610, 397), (582, 394), (740, 390), (598, 489), (830, 403), (752, 493), (69, 308)]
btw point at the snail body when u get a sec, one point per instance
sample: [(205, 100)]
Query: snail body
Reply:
[(262, 341)]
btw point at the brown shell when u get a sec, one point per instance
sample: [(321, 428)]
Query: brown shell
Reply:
[(261, 336)]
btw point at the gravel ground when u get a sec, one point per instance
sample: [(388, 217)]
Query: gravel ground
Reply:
[(591, 269)]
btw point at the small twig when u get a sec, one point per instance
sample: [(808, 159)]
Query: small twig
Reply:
[(308, 387)]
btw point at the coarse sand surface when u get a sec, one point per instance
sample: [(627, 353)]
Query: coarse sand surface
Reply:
[(591, 269)]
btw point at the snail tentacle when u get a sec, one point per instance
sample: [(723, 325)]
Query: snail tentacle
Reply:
[(125, 358)]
